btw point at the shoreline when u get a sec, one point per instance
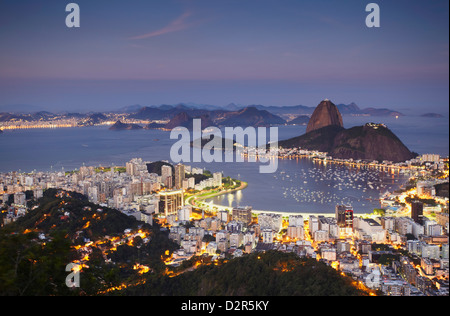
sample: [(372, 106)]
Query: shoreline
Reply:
[(255, 212)]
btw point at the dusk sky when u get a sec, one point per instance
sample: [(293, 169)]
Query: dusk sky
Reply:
[(284, 52)]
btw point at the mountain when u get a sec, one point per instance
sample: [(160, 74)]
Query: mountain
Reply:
[(151, 113), (167, 112), (251, 116), (351, 108), (433, 115), (185, 120), (380, 112), (219, 143), (299, 120), (155, 126), (354, 109), (287, 112), (325, 114), (283, 110), (119, 126), (326, 133), (259, 274), (94, 118), (129, 109), (65, 227), (368, 142)]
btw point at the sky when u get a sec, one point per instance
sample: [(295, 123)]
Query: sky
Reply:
[(284, 52)]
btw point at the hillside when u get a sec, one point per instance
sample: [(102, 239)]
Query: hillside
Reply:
[(155, 167), (432, 115), (219, 143), (299, 120), (66, 228), (168, 112), (185, 120), (320, 140), (251, 116), (259, 274), (368, 142), (119, 126)]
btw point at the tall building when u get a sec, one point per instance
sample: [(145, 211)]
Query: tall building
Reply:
[(296, 220), (179, 176), (19, 198), (267, 235), (217, 179), (171, 201), (130, 168), (417, 211), (184, 213), (242, 214), (344, 216), (166, 176), (295, 232)]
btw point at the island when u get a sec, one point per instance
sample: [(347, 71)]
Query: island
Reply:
[(119, 126)]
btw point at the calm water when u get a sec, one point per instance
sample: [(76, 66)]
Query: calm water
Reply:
[(298, 185)]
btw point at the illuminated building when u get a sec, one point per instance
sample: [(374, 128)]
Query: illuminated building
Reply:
[(171, 201), (19, 198), (295, 232), (166, 176), (296, 220), (184, 213), (321, 235), (344, 216), (242, 214), (267, 235), (179, 176), (271, 221), (430, 158), (217, 179), (236, 239)]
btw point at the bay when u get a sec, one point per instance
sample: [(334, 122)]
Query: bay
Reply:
[(297, 186)]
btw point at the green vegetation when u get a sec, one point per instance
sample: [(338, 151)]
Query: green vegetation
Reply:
[(155, 167), (35, 250), (379, 212), (259, 274), (27, 268)]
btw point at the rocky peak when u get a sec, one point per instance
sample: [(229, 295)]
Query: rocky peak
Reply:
[(325, 114)]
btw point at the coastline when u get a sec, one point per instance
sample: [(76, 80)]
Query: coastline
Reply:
[(198, 197), (254, 212)]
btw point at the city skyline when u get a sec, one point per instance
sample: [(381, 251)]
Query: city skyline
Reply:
[(153, 53)]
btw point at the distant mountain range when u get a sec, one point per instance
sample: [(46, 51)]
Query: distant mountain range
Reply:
[(249, 116), (163, 111), (433, 115), (230, 115)]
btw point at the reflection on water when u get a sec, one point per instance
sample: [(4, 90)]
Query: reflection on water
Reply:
[(303, 185)]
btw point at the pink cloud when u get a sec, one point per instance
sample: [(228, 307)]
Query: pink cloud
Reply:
[(176, 25)]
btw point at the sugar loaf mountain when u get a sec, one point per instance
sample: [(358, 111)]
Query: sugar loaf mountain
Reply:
[(325, 132)]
